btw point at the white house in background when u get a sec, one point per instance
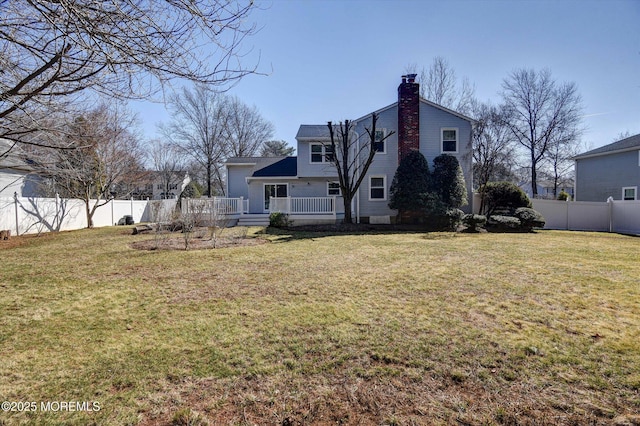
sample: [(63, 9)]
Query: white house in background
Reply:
[(16, 172), (306, 186), (162, 185), (612, 171)]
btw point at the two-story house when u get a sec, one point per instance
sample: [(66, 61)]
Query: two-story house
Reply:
[(306, 186), (612, 171)]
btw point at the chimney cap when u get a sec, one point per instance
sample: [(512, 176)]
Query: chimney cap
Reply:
[(404, 78), (411, 77)]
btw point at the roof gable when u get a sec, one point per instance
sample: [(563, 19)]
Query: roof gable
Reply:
[(628, 144)]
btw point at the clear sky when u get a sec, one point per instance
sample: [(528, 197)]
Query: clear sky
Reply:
[(335, 60)]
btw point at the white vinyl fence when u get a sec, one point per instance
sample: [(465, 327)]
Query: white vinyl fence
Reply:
[(612, 216), (35, 215)]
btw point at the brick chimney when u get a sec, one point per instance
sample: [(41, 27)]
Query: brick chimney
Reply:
[(408, 116)]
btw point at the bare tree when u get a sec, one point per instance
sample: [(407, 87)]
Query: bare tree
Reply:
[(541, 113), (105, 161), (276, 149), (493, 145), (211, 127), (352, 156), (246, 129), (440, 85), (168, 163), (52, 50), (198, 126)]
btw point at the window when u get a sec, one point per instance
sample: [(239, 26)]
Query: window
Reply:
[(333, 188), (377, 188), (173, 186), (321, 153), (379, 144), (450, 140), (629, 193), (160, 186)]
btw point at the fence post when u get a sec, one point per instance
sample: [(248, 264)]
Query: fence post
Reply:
[(241, 205), (15, 199), (610, 203)]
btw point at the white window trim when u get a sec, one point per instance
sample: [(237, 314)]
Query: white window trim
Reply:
[(384, 142), (384, 187), (339, 194), (442, 130), (324, 155), (635, 192)]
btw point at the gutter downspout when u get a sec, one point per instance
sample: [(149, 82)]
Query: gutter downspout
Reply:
[(356, 199)]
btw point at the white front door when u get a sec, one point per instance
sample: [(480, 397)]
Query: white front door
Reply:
[(273, 190)]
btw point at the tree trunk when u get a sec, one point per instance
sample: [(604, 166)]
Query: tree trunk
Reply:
[(348, 218), (89, 213), (534, 177)]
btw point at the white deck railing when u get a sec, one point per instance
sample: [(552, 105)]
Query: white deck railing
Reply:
[(219, 205), (303, 205)]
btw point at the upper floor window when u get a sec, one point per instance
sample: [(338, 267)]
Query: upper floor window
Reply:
[(379, 144), (321, 153), (450, 140)]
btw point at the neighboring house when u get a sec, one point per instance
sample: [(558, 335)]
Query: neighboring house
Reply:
[(609, 171), (545, 188), (16, 172), (307, 185), (161, 185)]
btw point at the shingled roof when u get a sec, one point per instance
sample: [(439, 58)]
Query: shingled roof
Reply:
[(627, 144), (287, 167)]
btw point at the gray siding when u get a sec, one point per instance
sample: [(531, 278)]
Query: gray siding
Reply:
[(601, 177), (236, 181), (308, 169), (384, 164), (432, 121)]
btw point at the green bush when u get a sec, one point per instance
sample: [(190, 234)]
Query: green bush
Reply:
[(410, 183), (499, 223), (191, 191), (474, 222), (504, 197), (529, 218), (564, 196), (447, 181), (445, 220), (279, 220)]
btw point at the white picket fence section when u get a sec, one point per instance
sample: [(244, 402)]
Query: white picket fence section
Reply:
[(35, 215)]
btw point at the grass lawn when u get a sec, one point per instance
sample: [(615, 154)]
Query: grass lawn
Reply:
[(386, 328)]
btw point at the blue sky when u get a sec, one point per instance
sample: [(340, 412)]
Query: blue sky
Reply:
[(335, 60)]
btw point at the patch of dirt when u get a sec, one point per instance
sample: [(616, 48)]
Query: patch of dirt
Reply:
[(178, 243)]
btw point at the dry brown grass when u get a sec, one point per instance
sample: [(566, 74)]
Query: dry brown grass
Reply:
[(313, 328)]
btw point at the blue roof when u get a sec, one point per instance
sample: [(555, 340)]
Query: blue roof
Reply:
[(287, 167)]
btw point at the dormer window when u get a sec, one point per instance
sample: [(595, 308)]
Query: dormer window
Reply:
[(321, 153)]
